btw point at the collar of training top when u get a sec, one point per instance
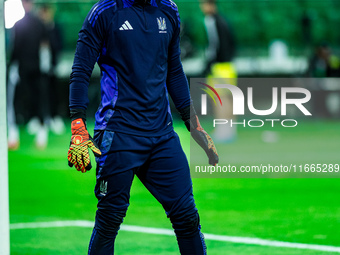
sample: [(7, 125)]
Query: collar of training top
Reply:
[(129, 3), (143, 2)]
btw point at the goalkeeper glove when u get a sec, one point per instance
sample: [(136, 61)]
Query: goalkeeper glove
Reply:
[(78, 153), (204, 140)]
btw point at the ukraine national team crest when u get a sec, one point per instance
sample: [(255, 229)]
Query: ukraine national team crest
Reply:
[(161, 25), (103, 188)]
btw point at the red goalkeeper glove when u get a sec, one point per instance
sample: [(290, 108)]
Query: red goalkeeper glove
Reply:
[(81, 141), (204, 140)]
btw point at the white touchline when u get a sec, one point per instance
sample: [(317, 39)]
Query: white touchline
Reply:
[(169, 232)]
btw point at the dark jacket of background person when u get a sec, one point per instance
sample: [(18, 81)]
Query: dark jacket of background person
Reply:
[(30, 98), (55, 39), (29, 33), (222, 45), (53, 34)]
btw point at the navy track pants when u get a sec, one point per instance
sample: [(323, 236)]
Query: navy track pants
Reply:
[(162, 167)]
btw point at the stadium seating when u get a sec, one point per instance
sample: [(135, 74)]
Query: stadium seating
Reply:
[(255, 23)]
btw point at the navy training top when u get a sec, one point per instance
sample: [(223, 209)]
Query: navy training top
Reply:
[(136, 46)]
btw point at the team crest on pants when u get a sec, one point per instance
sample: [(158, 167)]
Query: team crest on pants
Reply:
[(103, 188)]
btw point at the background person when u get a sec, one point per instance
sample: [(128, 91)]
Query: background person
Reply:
[(219, 55), (30, 98), (50, 57)]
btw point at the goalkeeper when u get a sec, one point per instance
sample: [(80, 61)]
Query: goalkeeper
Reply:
[(136, 45)]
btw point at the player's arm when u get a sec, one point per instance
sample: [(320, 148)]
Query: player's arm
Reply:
[(178, 89), (89, 44)]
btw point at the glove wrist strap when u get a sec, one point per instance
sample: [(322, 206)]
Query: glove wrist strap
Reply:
[(78, 113), (188, 114)]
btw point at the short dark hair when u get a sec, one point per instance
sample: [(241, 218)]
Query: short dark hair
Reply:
[(209, 1)]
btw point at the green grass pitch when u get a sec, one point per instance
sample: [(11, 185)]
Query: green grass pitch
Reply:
[(43, 188)]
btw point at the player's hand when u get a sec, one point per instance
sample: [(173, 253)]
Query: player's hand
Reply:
[(78, 153), (203, 139)]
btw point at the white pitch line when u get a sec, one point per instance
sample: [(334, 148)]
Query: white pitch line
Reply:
[(168, 232), (53, 224)]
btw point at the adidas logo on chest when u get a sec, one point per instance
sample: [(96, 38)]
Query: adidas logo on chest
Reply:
[(126, 26)]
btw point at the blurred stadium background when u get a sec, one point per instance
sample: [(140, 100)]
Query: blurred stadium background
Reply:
[(272, 40)]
